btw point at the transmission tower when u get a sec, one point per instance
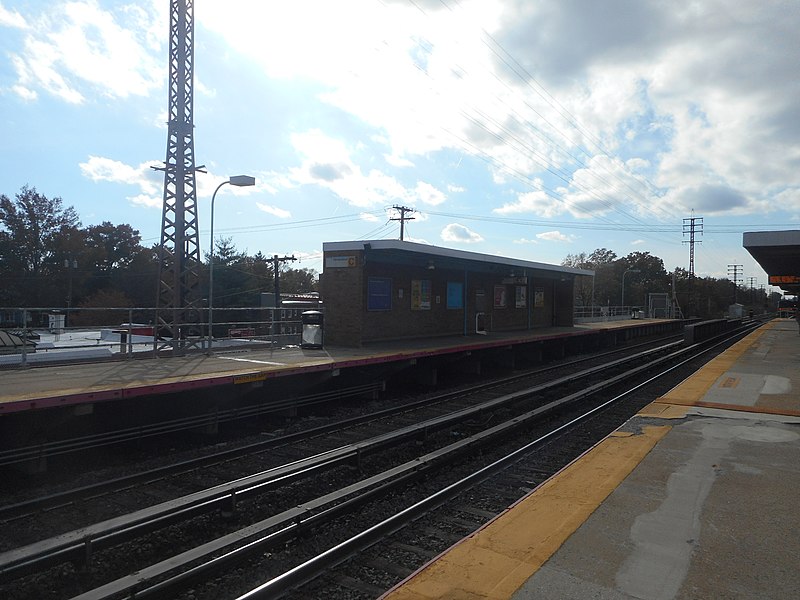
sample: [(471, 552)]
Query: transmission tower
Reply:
[(734, 272), (402, 218), (179, 261), (693, 225)]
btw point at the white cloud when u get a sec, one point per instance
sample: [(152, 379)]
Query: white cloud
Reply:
[(537, 203), (397, 161), (274, 210), (555, 236), (525, 241), (9, 18), (369, 217), (417, 240), (77, 47), (456, 232), (455, 189), (149, 182), (688, 95), (427, 194), (98, 168), (145, 200), (327, 162), (24, 93), (637, 242)]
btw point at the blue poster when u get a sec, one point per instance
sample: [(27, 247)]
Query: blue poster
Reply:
[(379, 293), (455, 294)]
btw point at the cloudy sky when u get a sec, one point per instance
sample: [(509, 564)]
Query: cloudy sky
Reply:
[(525, 128)]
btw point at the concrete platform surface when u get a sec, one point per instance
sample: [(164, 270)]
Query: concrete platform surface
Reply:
[(66, 384), (694, 498)]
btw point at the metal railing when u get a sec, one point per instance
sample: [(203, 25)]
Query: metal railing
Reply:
[(57, 334), (587, 314)]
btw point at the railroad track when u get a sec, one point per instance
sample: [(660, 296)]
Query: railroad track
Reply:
[(475, 427), (28, 506)]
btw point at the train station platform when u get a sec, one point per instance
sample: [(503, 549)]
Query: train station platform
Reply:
[(64, 385), (695, 497)]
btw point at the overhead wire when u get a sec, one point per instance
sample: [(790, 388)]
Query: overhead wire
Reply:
[(573, 121), (548, 164)]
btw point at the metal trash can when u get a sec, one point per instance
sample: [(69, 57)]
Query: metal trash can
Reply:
[(312, 329)]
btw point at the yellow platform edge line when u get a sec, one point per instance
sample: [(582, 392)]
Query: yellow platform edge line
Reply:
[(496, 560), (692, 389)]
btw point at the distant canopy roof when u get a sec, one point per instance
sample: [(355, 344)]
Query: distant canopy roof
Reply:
[(423, 255), (778, 253)]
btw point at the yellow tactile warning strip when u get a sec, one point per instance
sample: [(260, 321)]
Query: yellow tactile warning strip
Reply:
[(496, 560), (658, 410), (692, 389)]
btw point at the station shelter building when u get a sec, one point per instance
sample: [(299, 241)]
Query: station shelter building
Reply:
[(385, 290)]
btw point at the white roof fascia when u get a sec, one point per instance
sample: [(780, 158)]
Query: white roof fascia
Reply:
[(448, 253)]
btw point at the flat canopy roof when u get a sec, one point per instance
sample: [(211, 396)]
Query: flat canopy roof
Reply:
[(410, 252), (778, 253)]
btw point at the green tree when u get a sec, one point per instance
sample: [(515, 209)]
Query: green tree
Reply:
[(584, 286), (602, 261), (98, 309), (34, 229), (138, 279), (108, 252), (652, 277)]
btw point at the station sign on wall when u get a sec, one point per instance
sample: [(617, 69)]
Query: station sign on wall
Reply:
[(337, 262)]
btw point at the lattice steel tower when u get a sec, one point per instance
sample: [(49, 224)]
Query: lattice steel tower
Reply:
[(692, 226), (179, 262)]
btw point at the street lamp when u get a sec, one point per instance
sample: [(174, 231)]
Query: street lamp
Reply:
[(240, 181), (623, 283)]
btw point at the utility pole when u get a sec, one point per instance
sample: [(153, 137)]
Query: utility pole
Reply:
[(693, 226), (734, 272), (177, 305), (752, 282), (276, 266), (71, 264), (402, 218)]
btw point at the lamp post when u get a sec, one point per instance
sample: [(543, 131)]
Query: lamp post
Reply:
[(240, 181), (623, 283)]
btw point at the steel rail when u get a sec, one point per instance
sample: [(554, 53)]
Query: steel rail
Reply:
[(63, 498), (78, 545), (275, 529), (313, 568)]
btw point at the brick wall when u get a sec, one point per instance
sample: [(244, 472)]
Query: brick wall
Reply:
[(349, 321), (343, 298)]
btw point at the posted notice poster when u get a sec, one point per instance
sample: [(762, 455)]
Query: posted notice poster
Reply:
[(455, 294), (538, 297), (500, 300), (420, 294), (521, 297), (379, 293)]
